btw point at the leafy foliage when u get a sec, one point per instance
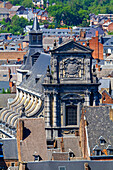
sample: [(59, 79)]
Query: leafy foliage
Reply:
[(7, 91), (15, 26), (25, 3), (76, 12)]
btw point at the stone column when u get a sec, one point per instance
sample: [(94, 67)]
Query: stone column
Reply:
[(87, 70), (55, 111), (82, 69), (87, 99)]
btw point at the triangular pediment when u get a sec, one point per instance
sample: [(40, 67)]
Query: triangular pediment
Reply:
[(72, 46)]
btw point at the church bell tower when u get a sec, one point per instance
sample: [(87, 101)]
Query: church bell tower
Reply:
[(35, 35)]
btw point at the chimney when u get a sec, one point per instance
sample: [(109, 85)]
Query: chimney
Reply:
[(76, 133), (54, 43), (60, 40), (21, 127), (86, 166), (99, 68), (62, 145), (96, 33), (20, 47)]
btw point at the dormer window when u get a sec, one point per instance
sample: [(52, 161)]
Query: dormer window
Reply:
[(71, 153), (110, 150), (102, 140), (97, 150), (28, 74), (37, 157), (37, 78)]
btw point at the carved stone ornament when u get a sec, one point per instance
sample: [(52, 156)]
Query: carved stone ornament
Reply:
[(71, 67)]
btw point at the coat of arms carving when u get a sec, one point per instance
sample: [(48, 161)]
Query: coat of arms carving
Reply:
[(71, 67)]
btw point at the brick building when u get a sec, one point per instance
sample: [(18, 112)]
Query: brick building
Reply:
[(6, 4), (97, 47), (110, 27), (94, 44), (106, 98), (9, 56)]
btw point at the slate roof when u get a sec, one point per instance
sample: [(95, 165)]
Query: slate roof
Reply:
[(34, 140), (9, 148), (99, 124), (39, 68), (29, 54), (14, 8), (70, 165), (35, 24), (109, 42), (41, 12), (4, 11), (110, 57), (60, 156), (91, 32), (45, 15), (26, 38), (4, 97), (101, 62), (37, 10), (105, 83), (71, 142)]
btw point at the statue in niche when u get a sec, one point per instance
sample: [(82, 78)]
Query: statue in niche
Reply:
[(71, 67)]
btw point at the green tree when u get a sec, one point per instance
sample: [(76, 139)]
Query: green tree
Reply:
[(3, 91), (27, 3)]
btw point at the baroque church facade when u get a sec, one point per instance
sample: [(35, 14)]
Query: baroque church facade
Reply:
[(70, 85), (53, 86)]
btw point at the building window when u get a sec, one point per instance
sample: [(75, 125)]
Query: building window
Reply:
[(104, 98), (97, 152), (102, 140), (71, 115), (110, 150), (12, 164), (39, 37), (61, 168), (12, 49), (91, 98), (5, 75), (34, 38)]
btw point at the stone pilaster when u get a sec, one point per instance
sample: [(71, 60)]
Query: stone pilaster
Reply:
[(47, 110), (55, 110)]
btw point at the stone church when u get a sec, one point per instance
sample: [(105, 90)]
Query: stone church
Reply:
[(53, 86)]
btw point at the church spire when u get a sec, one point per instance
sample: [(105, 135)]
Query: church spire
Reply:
[(35, 24)]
